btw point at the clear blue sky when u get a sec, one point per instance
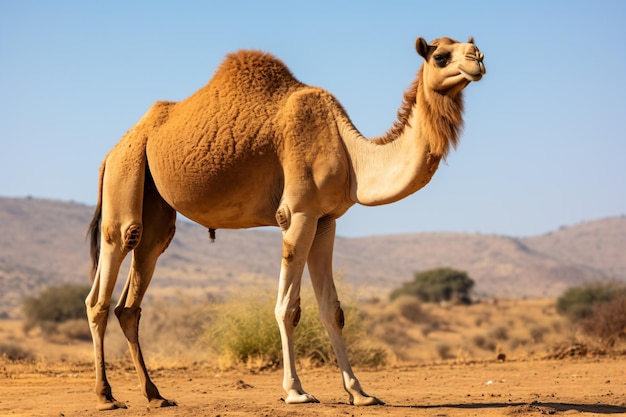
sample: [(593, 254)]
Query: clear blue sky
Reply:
[(544, 143)]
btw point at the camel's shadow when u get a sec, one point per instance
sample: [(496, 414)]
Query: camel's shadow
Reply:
[(538, 406)]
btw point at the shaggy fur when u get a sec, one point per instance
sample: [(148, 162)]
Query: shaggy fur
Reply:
[(442, 118)]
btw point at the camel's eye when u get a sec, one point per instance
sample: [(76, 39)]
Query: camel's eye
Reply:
[(441, 60)]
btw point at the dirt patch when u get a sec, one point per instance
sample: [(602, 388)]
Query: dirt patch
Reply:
[(588, 386), (510, 358)]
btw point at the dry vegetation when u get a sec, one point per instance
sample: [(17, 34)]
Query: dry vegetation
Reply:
[(434, 352), (188, 330), (492, 329)]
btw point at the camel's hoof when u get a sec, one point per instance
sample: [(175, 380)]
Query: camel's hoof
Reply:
[(110, 405), (364, 400), (295, 397), (161, 403)]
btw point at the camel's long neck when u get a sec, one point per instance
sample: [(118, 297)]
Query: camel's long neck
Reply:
[(398, 164)]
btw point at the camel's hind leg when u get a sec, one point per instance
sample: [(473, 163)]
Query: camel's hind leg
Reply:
[(119, 231), (320, 269), (158, 231), (98, 302)]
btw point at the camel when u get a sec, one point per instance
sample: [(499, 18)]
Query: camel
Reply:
[(256, 147)]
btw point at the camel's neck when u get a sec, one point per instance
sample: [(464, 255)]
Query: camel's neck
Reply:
[(398, 164)]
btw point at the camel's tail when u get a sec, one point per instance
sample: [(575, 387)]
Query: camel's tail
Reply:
[(93, 233)]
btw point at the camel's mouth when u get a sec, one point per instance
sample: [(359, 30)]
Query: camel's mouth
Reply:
[(470, 76), (475, 75)]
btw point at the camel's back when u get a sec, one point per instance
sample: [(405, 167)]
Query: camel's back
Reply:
[(253, 72), (247, 81), (238, 104)]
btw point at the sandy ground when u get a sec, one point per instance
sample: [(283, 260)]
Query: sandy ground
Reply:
[(586, 386)]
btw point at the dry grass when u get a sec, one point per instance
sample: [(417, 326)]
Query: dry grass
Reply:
[(410, 333), (417, 332), (245, 331)]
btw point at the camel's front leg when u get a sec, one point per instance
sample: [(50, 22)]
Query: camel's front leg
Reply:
[(320, 268), (297, 237)]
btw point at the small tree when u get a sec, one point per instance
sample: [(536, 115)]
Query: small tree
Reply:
[(578, 303), (55, 305), (598, 309), (436, 285)]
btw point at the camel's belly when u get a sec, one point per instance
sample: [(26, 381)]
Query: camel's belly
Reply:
[(219, 195), (240, 206)]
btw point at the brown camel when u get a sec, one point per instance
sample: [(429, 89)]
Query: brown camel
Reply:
[(256, 147)]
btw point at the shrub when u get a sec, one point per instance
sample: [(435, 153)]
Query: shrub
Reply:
[(15, 352), (499, 333), (537, 333), (75, 329), (171, 327), (578, 303), (436, 285), (410, 308), (607, 322), (482, 342), (55, 305), (443, 350), (246, 331)]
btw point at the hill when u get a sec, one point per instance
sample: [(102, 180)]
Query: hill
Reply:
[(42, 243)]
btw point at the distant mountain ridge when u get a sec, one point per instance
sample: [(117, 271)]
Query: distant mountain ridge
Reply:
[(42, 243)]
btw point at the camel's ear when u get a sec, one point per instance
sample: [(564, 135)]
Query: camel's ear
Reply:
[(471, 40), (422, 47)]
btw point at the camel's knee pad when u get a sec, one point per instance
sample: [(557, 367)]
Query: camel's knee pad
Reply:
[(339, 318), (132, 236)]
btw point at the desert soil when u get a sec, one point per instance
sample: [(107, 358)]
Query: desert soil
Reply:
[(585, 386)]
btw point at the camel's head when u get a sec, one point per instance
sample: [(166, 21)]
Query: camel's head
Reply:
[(450, 65)]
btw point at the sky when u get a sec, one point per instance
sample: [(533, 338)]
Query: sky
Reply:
[(543, 144)]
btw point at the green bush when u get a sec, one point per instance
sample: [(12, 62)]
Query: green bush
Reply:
[(578, 303), (599, 309), (246, 330), (55, 305), (436, 285)]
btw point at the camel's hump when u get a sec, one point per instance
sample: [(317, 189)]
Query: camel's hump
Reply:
[(249, 66)]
